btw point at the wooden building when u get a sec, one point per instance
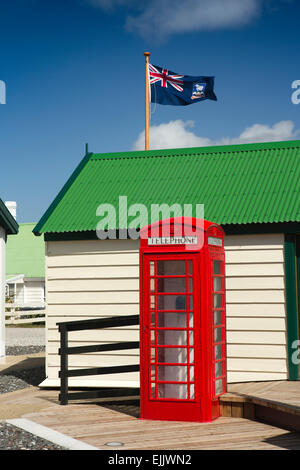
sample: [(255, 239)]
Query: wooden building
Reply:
[(8, 226), (251, 190), (25, 268)]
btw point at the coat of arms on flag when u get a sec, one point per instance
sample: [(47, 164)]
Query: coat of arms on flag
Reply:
[(180, 90)]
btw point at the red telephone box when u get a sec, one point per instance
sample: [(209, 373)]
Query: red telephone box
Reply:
[(182, 325)]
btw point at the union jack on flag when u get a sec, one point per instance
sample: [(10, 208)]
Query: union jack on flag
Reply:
[(170, 88), (165, 78)]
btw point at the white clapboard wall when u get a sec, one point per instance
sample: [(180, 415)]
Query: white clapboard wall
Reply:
[(255, 308), (34, 292), (92, 279)]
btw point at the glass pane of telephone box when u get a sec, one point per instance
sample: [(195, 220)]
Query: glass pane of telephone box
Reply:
[(218, 335), (217, 300), (218, 369), (172, 373), (172, 355), (171, 319), (217, 267), (153, 354), (171, 268), (191, 355), (179, 391), (191, 337), (218, 352), (218, 317), (171, 284), (171, 302), (218, 386), (152, 336), (171, 337), (217, 284), (151, 268)]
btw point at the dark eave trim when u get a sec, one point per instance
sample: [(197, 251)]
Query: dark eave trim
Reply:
[(7, 221), (232, 229)]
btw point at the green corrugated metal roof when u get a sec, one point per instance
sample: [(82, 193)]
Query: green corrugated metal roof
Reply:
[(239, 184), (25, 253)]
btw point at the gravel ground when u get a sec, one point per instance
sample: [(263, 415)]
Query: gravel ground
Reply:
[(17, 380), (16, 336), (13, 438), (22, 341)]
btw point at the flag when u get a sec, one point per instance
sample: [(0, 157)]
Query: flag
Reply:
[(179, 90)]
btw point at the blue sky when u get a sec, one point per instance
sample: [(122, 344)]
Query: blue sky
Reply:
[(74, 73)]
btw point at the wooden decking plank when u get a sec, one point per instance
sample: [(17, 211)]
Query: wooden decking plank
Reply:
[(132, 436), (195, 443), (146, 441), (128, 425), (281, 444), (130, 430), (97, 423), (201, 437)]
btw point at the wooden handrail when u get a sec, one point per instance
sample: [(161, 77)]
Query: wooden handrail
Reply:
[(64, 351)]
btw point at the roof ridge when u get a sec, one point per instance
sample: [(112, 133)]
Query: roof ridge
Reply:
[(186, 151)]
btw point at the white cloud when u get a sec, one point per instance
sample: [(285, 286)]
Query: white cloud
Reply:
[(173, 134), (161, 18), (158, 19), (283, 130), (178, 134)]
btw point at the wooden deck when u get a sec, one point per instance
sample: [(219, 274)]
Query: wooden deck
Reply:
[(99, 423), (273, 402), (96, 425), (260, 415), (286, 393)]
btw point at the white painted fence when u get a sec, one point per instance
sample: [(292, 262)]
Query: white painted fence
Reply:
[(16, 315)]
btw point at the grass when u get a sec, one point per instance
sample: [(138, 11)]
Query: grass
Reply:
[(27, 325)]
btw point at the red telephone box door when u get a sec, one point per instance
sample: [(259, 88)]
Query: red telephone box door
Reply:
[(170, 336)]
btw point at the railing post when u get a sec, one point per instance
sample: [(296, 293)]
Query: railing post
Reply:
[(63, 365)]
